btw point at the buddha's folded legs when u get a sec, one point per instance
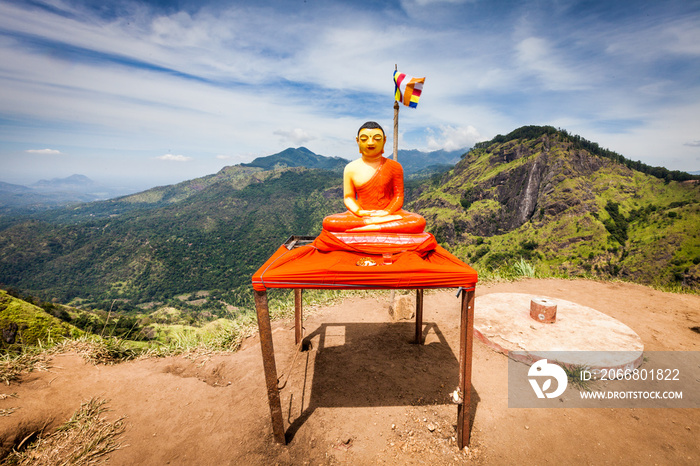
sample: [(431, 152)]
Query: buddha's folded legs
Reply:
[(349, 222)]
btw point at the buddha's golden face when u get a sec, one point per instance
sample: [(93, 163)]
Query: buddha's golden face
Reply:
[(371, 142)]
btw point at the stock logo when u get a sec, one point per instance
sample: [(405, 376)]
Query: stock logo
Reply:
[(542, 370)]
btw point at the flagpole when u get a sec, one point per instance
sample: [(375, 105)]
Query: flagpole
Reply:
[(396, 131), (392, 294), (396, 124)]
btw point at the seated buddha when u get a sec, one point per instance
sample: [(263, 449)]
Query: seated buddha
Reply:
[(373, 191)]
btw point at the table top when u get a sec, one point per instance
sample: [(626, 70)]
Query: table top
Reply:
[(307, 267)]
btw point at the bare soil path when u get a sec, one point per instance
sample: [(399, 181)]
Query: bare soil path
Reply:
[(364, 395)]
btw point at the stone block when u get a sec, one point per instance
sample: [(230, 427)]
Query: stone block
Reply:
[(403, 307)]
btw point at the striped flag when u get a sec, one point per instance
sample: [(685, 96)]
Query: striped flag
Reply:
[(408, 89)]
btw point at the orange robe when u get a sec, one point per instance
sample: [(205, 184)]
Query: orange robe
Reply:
[(384, 191)]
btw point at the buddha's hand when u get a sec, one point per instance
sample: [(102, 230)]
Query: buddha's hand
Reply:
[(372, 213)]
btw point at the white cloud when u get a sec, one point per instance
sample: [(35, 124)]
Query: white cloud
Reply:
[(174, 158), (695, 143), (407, 4), (453, 138), (536, 56), (297, 136), (657, 39), (224, 76), (44, 151), (224, 157)]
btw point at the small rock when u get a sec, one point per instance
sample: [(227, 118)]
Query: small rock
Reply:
[(431, 427), (403, 307)]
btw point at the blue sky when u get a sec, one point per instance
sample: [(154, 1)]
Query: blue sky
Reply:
[(146, 93)]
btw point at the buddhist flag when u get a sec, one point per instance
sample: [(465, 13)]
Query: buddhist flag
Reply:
[(408, 89)]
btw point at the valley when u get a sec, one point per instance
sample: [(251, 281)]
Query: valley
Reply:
[(537, 202)]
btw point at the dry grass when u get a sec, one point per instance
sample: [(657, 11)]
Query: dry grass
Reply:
[(7, 412), (12, 366), (98, 350), (85, 439)]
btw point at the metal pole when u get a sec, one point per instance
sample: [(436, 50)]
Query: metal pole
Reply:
[(466, 330), (298, 315), (419, 316), (396, 126), (396, 131), (268, 354)]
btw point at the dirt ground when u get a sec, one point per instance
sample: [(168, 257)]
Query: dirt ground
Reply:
[(364, 395)]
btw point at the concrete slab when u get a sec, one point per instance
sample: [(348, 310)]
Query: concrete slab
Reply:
[(584, 336)]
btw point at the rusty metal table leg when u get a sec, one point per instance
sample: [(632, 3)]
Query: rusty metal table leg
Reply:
[(466, 331), (419, 316), (298, 315), (268, 354)]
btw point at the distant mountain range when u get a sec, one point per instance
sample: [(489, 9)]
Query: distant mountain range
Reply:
[(537, 194), (78, 189), (73, 183), (413, 161), (57, 192)]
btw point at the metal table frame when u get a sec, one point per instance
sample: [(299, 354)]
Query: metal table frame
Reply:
[(466, 333)]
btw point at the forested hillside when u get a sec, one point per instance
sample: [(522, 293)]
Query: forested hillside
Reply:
[(158, 244), (538, 194), (558, 200)]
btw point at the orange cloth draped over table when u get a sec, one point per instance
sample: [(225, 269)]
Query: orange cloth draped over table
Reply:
[(429, 266), (384, 191)]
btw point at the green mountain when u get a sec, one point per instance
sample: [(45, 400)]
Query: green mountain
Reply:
[(546, 196), (299, 157), (553, 199)]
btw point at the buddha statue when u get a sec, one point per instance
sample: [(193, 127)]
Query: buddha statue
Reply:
[(373, 191)]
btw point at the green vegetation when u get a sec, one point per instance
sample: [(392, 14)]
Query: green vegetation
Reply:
[(169, 270), (574, 375), (540, 195), (23, 324), (169, 330), (617, 225), (299, 157), (534, 132), (212, 240)]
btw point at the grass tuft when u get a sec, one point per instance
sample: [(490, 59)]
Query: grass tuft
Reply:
[(12, 366), (573, 373), (98, 350), (522, 268), (7, 411), (509, 272), (85, 439), (222, 335)]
